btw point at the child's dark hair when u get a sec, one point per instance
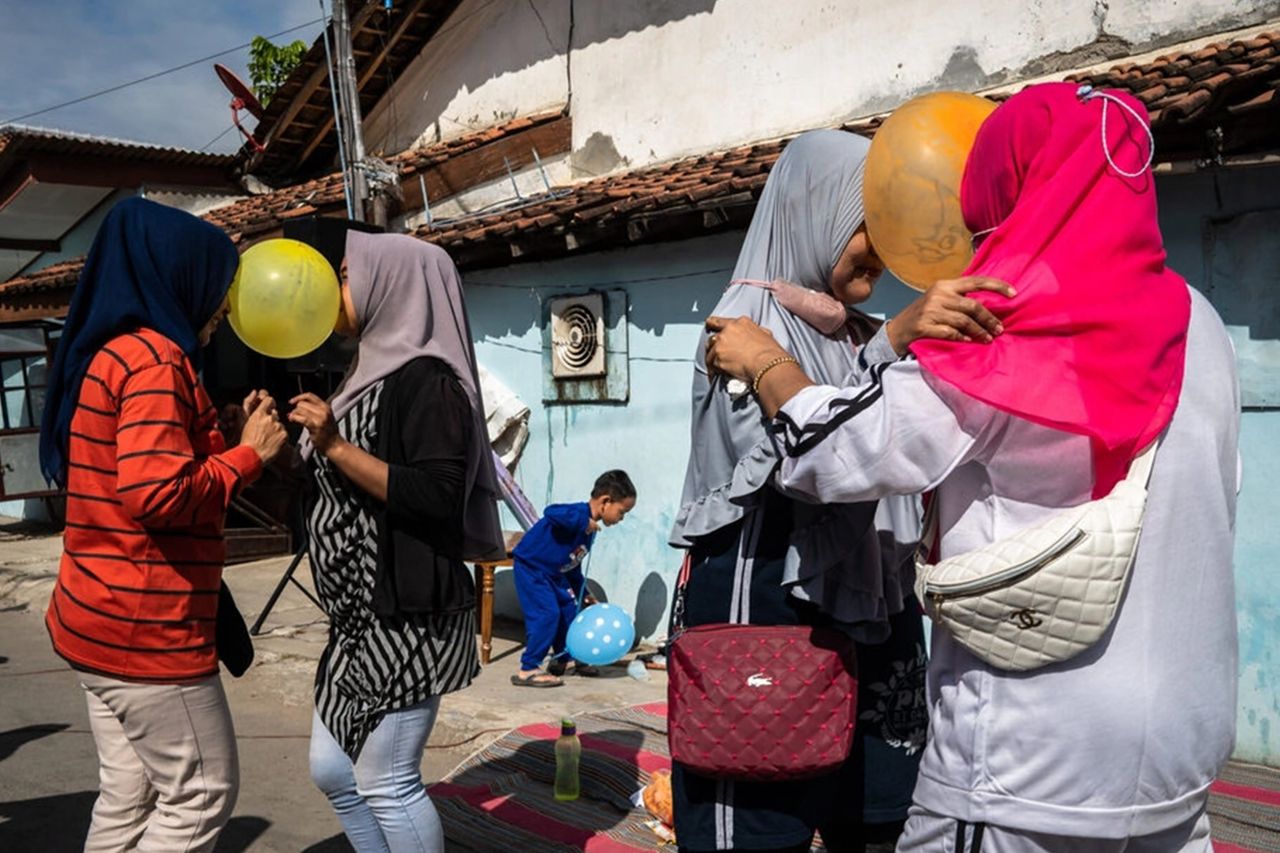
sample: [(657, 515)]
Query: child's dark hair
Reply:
[(616, 484)]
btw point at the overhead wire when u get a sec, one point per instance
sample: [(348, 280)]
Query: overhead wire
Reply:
[(149, 77), (213, 141)]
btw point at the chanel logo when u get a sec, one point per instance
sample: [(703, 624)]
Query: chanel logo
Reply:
[(1026, 618)]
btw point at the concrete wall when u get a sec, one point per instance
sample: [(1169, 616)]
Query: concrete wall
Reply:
[(649, 435), (1187, 202), (647, 82)]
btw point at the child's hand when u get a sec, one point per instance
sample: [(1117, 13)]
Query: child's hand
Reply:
[(592, 526), (588, 599)]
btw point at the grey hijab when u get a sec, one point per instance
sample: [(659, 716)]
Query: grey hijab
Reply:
[(810, 208), (408, 301)]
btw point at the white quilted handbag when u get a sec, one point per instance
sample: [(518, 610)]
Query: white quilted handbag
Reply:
[(1049, 591)]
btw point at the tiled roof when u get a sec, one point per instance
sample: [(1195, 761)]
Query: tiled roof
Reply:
[(260, 214), (1222, 83), (1229, 86), (1236, 76), (19, 140), (1187, 94), (59, 276), (710, 192)]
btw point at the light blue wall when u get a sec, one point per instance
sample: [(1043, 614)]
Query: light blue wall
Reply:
[(649, 435), (1186, 202), (570, 445)]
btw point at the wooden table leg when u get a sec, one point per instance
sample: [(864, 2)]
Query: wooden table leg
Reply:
[(484, 601)]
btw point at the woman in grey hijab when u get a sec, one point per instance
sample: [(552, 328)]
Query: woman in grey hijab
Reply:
[(403, 494), (761, 558)]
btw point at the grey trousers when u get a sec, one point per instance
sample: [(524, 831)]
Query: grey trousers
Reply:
[(927, 832), (168, 769)]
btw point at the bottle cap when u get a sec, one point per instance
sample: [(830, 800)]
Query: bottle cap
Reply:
[(568, 727)]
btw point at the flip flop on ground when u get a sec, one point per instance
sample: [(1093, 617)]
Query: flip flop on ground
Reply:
[(586, 670), (536, 679)]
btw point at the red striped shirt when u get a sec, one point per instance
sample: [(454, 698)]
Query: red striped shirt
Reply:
[(148, 484)]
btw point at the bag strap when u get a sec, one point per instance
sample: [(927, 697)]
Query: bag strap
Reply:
[(1140, 468), (1139, 473), (740, 599), (928, 532), (677, 606)]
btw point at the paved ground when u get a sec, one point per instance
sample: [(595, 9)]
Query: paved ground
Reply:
[(47, 764)]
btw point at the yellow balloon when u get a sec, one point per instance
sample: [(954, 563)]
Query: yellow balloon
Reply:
[(911, 186), (284, 298)]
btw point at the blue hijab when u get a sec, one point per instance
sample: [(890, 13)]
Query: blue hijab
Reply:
[(151, 266)]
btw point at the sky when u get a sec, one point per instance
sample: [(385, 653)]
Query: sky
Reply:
[(57, 50)]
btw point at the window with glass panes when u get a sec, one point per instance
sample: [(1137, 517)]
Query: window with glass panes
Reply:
[(24, 368)]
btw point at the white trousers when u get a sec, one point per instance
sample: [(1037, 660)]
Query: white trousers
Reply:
[(927, 832), (168, 769)]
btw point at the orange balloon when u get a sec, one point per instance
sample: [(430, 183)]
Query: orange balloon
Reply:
[(911, 186)]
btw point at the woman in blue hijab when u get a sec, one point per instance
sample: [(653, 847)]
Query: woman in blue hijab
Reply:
[(130, 434), (151, 266)]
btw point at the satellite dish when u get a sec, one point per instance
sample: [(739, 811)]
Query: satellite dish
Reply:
[(241, 99)]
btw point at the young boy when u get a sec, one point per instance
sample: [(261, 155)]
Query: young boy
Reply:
[(549, 578)]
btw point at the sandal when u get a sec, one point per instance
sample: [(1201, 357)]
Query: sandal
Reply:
[(656, 660), (536, 679), (586, 670)]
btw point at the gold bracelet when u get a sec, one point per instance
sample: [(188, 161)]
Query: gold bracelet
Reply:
[(782, 359)]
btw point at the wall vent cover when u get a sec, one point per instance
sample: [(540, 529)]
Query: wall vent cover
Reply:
[(578, 337)]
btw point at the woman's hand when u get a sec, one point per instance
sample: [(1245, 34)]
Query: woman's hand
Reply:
[(738, 348), (232, 418), (316, 417), (944, 312), (263, 431), (368, 472), (741, 349)]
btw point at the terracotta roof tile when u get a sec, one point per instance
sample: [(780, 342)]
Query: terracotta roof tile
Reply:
[(16, 140), (1179, 89), (262, 213), (53, 277)]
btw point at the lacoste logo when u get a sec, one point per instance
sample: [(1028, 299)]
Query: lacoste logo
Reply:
[(759, 680), (1026, 618)]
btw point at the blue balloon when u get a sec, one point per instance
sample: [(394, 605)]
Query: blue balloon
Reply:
[(600, 635)]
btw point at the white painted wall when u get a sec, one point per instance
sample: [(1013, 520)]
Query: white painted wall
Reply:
[(656, 80), (490, 62)]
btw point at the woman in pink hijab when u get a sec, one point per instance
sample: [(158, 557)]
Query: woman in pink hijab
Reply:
[(1104, 351)]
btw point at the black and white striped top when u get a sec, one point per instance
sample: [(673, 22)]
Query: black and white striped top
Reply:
[(371, 664)]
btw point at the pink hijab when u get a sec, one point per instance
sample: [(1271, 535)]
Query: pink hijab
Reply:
[(1095, 340)]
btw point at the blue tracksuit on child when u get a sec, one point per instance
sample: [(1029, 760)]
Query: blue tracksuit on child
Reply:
[(548, 576)]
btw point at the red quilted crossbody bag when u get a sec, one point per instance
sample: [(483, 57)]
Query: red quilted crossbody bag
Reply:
[(760, 702)]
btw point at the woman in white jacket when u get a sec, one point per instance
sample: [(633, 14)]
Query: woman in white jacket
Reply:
[(1114, 749)]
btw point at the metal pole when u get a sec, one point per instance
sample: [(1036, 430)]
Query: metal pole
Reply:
[(546, 182), (350, 107), (426, 203), (338, 123), (514, 186)]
